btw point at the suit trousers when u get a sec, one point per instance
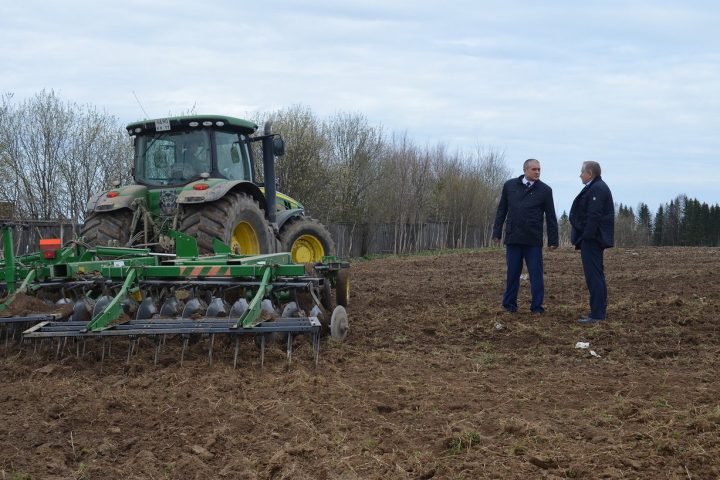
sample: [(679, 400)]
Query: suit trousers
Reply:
[(592, 261), (532, 255)]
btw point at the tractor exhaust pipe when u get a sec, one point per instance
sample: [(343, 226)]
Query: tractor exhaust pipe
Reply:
[(272, 146)]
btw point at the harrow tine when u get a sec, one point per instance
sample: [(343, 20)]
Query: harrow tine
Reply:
[(262, 351), (185, 344), (130, 350), (237, 350), (158, 344), (289, 348), (57, 352), (210, 353), (316, 347)]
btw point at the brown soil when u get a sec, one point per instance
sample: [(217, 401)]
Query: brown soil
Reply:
[(24, 305), (432, 382)]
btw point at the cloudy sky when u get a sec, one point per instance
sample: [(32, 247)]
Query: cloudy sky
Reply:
[(634, 85)]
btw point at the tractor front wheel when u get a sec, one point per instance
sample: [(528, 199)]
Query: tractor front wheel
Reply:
[(104, 229), (307, 240), (236, 219)]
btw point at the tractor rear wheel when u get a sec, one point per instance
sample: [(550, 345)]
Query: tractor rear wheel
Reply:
[(104, 229), (236, 219), (307, 240)]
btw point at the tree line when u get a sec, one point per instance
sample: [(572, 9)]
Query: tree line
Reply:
[(54, 154), (681, 222)]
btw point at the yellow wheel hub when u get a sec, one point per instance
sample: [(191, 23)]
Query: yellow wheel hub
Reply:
[(307, 249), (244, 240)]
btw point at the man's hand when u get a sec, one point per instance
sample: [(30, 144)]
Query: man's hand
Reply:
[(552, 247), (496, 239)]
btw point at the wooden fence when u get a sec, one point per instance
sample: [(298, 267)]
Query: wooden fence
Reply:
[(27, 234)]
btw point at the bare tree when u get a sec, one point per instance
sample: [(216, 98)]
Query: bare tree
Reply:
[(303, 172), (56, 154), (354, 155)]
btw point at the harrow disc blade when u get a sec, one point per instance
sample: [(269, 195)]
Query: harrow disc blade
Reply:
[(129, 306), (82, 310), (267, 307), (339, 325), (217, 308), (193, 307), (290, 310), (147, 309), (100, 305), (238, 308), (171, 307)]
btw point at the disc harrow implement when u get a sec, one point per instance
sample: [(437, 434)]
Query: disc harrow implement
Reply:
[(79, 293)]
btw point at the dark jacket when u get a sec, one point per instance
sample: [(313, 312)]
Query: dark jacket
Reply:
[(522, 210), (592, 215)]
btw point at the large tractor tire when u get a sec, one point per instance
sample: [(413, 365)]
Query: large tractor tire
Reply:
[(236, 219), (307, 240), (104, 229)]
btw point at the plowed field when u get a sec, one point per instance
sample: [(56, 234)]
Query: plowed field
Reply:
[(434, 381)]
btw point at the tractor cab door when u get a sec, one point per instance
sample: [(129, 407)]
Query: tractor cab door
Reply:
[(233, 157)]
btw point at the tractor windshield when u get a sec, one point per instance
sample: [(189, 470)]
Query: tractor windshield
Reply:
[(172, 158), (177, 157)]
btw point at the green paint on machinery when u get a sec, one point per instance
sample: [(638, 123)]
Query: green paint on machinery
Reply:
[(81, 291), (196, 174)]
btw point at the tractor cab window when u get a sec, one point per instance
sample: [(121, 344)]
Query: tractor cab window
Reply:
[(233, 159), (172, 158)]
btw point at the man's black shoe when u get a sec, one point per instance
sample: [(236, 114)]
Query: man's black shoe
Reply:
[(588, 320)]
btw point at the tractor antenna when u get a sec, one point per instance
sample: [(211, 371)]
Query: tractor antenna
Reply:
[(141, 107)]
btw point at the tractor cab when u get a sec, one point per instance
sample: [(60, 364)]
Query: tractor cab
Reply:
[(196, 175), (175, 152)]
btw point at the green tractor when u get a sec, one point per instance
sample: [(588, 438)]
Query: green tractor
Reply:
[(195, 174)]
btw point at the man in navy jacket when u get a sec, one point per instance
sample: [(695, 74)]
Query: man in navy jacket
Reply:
[(524, 202), (592, 217)]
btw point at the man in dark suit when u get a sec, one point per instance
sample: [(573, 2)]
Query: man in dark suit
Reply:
[(524, 202), (592, 217)]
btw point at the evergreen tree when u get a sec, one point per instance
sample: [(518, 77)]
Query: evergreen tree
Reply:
[(644, 224), (659, 226), (564, 228)]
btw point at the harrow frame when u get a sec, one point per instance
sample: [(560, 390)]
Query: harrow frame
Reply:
[(115, 276)]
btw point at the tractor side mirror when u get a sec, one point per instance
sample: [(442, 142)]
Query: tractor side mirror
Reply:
[(278, 146)]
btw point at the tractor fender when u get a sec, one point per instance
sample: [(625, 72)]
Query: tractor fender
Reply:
[(101, 202), (217, 190), (284, 217)]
